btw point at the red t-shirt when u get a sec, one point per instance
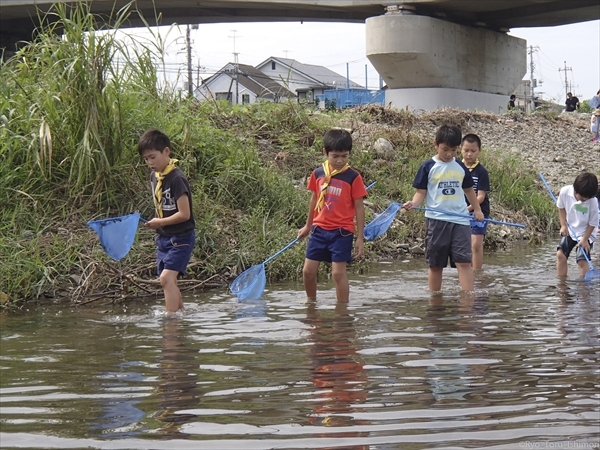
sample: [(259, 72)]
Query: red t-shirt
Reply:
[(338, 209)]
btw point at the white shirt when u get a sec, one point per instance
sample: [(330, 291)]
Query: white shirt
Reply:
[(580, 215)]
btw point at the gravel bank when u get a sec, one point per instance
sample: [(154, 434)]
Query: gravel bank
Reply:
[(559, 147)]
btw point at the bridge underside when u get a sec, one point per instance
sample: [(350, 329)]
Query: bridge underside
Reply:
[(458, 45), (18, 18)]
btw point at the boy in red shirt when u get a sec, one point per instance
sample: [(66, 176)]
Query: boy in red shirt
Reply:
[(337, 197)]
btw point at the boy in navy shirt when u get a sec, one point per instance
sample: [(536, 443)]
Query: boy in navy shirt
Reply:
[(471, 149)]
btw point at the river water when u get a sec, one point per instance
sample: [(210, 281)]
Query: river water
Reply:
[(515, 366)]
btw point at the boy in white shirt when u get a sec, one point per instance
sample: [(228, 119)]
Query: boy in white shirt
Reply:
[(578, 215)]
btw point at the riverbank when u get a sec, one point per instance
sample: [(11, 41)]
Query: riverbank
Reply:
[(69, 136), (520, 145)]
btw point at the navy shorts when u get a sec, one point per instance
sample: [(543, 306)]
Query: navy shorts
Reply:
[(174, 252), (480, 228), (567, 244), (447, 240), (329, 245)]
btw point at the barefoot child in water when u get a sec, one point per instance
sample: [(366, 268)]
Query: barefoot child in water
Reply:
[(174, 221), (443, 182)]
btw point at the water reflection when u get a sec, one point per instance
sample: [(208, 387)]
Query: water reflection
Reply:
[(177, 386), (456, 365), (394, 369), (337, 370)]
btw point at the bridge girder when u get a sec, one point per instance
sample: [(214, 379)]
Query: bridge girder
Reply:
[(18, 18)]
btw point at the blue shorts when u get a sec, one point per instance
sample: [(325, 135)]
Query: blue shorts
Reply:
[(481, 228), (567, 244), (445, 240), (329, 245), (174, 252)]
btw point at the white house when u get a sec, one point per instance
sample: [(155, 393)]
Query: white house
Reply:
[(306, 80), (244, 84)]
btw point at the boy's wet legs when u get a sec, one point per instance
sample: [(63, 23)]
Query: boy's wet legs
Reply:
[(340, 277), (173, 299), (561, 263), (477, 251), (583, 267), (465, 276), (435, 278), (309, 278)]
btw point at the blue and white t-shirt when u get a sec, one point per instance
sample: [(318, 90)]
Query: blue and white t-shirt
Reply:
[(444, 182)]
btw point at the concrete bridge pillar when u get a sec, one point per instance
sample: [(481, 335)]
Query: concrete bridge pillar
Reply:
[(429, 63)]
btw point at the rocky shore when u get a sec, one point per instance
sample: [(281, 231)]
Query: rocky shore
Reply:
[(559, 147)]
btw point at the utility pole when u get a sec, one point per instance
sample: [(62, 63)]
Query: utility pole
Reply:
[(236, 69), (189, 61), (532, 80), (566, 69)]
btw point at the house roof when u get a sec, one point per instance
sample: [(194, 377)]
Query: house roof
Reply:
[(253, 80), (321, 75), (259, 83)]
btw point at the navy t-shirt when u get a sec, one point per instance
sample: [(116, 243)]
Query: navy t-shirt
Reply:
[(481, 180), (174, 186)]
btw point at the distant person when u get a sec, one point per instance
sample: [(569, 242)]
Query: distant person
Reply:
[(174, 221), (595, 124), (511, 102), (337, 199), (443, 182), (578, 215), (471, 149), (571, 103)]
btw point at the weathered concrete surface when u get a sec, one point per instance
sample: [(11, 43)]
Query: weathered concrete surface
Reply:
[(412, 51), (431, 99)]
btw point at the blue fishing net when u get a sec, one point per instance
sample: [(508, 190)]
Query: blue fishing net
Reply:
[(380, 224), (250, 284), (116, 234), (592, 275)]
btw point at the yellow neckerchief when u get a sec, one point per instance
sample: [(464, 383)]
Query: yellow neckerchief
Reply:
[(327, 179), (473, 166), (160, 176)]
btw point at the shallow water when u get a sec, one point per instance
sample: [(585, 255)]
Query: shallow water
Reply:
[(515, 366)]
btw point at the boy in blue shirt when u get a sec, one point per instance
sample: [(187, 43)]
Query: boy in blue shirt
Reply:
[(443, 182)]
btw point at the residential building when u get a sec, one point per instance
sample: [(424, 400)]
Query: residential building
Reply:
[(241, 83), (306, 80)]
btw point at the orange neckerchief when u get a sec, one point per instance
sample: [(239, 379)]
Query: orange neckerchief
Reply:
[(160, 176), (326, 181), (473, 166)]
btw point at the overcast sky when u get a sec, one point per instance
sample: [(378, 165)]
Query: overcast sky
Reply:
[(341, 45)]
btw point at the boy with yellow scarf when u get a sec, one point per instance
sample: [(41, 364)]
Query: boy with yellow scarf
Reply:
[(174, 221), (337, 198)]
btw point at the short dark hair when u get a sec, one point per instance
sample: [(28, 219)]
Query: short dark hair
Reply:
[(337, 140), (513, 96), (586, 185), (449, 134), (472, 138), (153, 140)]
